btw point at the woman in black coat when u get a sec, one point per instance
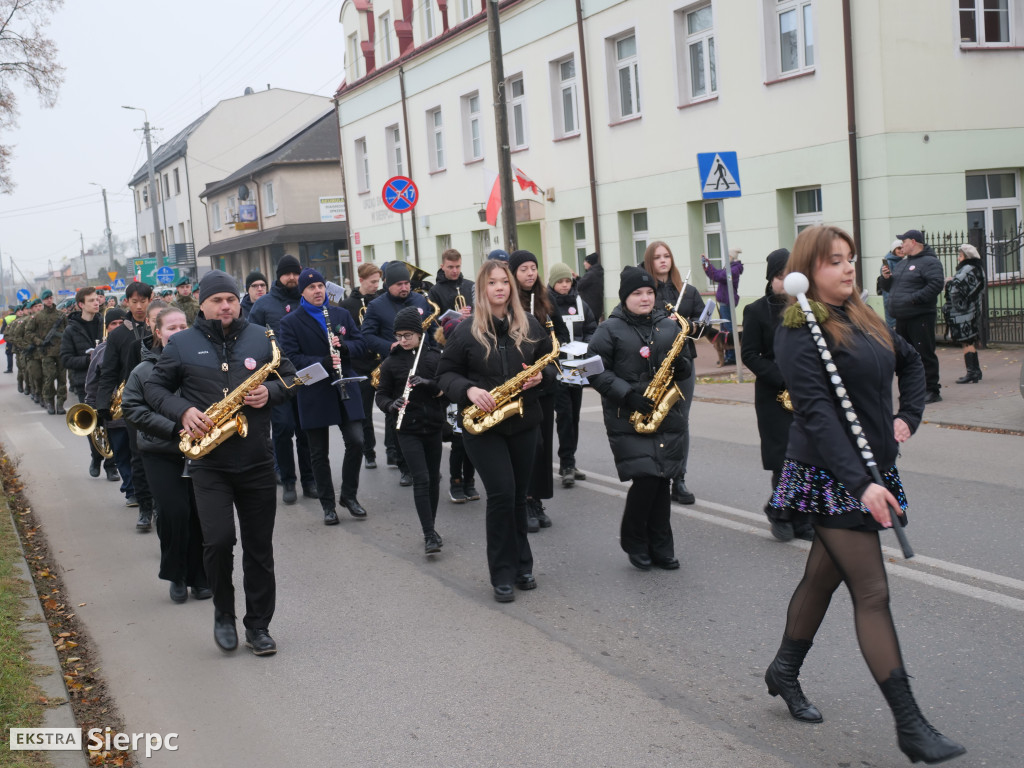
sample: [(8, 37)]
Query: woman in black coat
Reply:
[(825, 475), (482, 354), (422, 416), (633, 343), (177, 524), (760, 320), (964, 291)]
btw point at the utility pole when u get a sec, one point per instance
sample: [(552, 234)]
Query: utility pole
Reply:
[(508, 206), (107, 232), (152, 189)]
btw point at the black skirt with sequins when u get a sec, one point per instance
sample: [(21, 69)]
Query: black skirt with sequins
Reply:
[(804, 489)]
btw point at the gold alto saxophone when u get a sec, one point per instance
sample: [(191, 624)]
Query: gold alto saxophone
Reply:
[(662, 389), (375, 376), (225, 415), (507, 396)]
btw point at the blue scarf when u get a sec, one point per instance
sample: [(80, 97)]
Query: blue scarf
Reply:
[(317, 313)]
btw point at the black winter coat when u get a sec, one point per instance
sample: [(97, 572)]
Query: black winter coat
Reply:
[(463, 365), (620, 341), (365, 363), (591, 288), (124, 352), (157, 433), (379, 324), (189, 374), (79, 336), (915, 284), (425, 412), (247, 304), (820, 435), (760, 321), (274, 305), (444, 291), (304, 341)]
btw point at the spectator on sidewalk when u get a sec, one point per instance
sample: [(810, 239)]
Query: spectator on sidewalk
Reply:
[(721, 278), (590, 285), (890, 260), (964, 291)]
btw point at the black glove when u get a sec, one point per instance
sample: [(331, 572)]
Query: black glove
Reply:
[(396, 405), (683, 368), (427, 386), (636, 402)]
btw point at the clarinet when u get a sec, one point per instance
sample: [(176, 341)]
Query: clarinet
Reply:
[(408, 384), (332, 342)]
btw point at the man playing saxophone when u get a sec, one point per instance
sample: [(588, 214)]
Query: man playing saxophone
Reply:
[(198, 369)]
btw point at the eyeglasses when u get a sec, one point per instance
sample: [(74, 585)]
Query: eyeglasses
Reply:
[(405, 336), (258, 285)]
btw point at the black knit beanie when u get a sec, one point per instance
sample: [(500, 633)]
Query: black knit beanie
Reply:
[(216, 281), (520, 257), (288, 265), (252, 277), (632, 279), (409, 319)]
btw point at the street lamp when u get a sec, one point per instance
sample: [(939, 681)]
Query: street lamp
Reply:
[(107, 232), (152, 188)]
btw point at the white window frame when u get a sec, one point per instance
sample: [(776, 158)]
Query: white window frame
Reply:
[(181, 232), (979, 12), (467, 9), (710, 216), (802, 221), (232, 210), (215, 215), (628, 66), (516, 111), (352, 66), (428, 19), (269, 203), (393, 141), (639, 236), (384, 25), (362, 166), (705, 38), (435, 139), (563, 88), (472, 129), (579, 244), (177, 183), (987, 206), (775, 10)]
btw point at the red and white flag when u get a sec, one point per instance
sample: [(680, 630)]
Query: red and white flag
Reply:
[(494, 199)]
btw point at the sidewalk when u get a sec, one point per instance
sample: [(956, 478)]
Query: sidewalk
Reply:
[(992, 404)]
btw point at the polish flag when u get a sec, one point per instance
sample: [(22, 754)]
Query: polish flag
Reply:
[(494, 200), (525, 182)]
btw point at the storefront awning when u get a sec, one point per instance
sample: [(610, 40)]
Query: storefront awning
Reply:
[(289, 233)]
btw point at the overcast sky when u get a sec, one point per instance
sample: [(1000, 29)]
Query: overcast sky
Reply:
[(175, 60)]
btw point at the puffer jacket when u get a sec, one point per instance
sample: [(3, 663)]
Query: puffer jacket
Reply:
[(79, 337), (425, 412), (915, 284), (156, 433), (444, 291), (189, 374), (620, 341)]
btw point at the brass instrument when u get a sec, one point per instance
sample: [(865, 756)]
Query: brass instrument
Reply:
[(662, 389), (375, 376), (83, 420), (785, 400), (475, 420), (225, 415), (460, 300), (362, 314), (115, 403)]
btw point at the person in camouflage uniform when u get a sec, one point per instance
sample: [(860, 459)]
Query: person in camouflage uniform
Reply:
[(33, 360), (14, 337), (45, 333), (185, 301)]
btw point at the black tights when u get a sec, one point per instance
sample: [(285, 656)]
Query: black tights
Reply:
[(853, 557)]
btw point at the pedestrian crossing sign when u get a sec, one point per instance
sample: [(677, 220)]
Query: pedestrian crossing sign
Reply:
[(719, 175)]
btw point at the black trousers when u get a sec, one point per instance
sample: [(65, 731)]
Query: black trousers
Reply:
[(366, 391), (505, 463), (541, 484), (645, 526), (139, 482), (118, 437), (253, 493), (320, 454), (568, 402), (391, 446), (920, 334), (422, 452), (177, 525), (460, 466), (284, 419)]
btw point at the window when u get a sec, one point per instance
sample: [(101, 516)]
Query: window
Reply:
[(795, 35), (145, 195), (985, 22), (362, 166), (138, 201), (473, 145), (698, 67), (639, 220), (428, 19), (181, 233), (516, 96), (232, 207), (394, 143), (807, 208), (566, 109), (385, 37), (579, 236), (466, 8), (169, 237), (435, 139), (352, 51), (442, 243), (269, 204), (626, 81), (215, 215), (177, 183), (167, 187), (713, 235), (993, 205)]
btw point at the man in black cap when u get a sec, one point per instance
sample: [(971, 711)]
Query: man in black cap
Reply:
[(268, 310), (184, 300), (379, 331), (255, 287), (590, 285), (197, 367), (45, 333), (319, 333), (914, 285)]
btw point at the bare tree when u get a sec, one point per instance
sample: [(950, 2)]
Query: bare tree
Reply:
[(28, 58)]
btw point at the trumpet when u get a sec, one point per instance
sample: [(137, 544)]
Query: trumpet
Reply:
[(460, 300), (83, 420)]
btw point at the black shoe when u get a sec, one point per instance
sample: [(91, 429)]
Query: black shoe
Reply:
[(669, 564), (289, 496), (179, 592), (804, 532), (504, 593), (781, 530), (50, 409), (471, 492), (681, 494), (782, 676), (94, 466), (309, 491), (542, 517), (405, 480), (643, 562), (113, 476), (201, 593), (145, 523), (532, 523), (331, 516), (21, 388), (431, 543), (131, 501), (526, 581), (578, 475), (916, 737), (261, 642), (456, 494), (60, 410), (224, 632), (371, 462), (932, 397), (354, 507), (568, 477), (392, 460)]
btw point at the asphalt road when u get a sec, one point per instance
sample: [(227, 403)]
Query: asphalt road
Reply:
[(388, 658)]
